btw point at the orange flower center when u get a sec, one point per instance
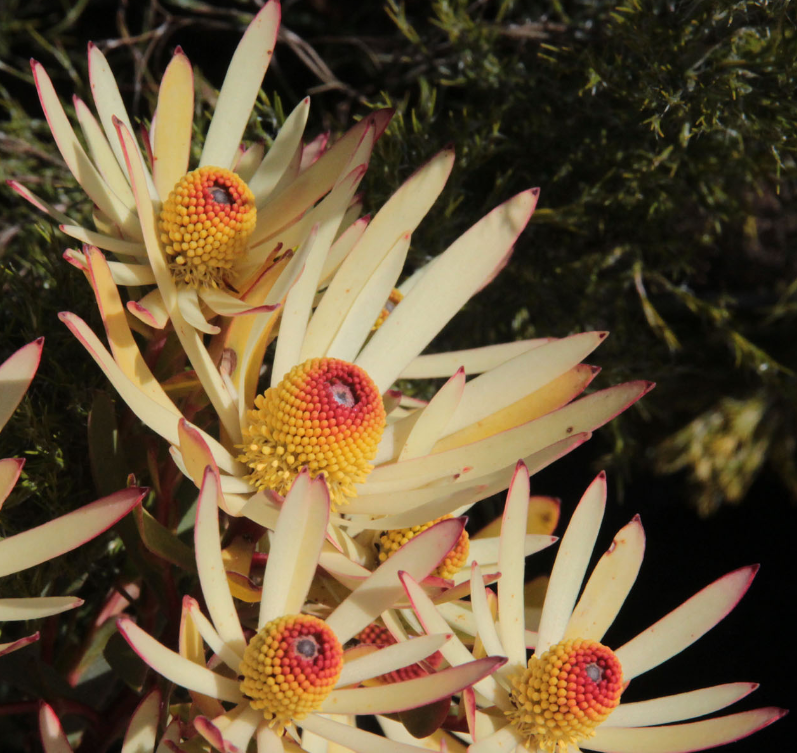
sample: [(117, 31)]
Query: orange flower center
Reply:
[(205, 225), (391, 541), (376, 635), (325, 415), (563, 695), (290, 667)]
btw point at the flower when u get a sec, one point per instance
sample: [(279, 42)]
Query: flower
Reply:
[(58, 536), (294, 669), (567, 697), (204, 238), (431, 459), (326, 415), (142, 729)]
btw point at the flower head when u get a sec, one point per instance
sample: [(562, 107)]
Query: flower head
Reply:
[(293, 671), (205, 225), (565, 694), (325, 415), (290, 667), (568, 695)]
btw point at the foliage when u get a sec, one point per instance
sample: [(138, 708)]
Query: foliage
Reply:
[(663, 136)]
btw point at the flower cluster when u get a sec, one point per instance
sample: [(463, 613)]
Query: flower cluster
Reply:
[(261, 335)]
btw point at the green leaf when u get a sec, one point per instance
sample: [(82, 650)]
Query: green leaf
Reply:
[(125, 662), (108, 465), (161, 541)]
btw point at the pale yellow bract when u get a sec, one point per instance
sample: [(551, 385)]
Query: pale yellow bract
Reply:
[(509, 711)]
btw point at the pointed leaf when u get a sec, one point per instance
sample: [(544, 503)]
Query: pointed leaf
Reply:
[(240, 88)]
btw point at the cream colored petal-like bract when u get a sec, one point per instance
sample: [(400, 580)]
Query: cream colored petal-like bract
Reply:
[(354, 739), (342, 246), (409, 694), (191, 311), (514, 379), (210, 636), (486, 551), (499, 450), (35, 608), (390, 658), (381, 590), (295, 547), (10, 468), (150, 309), (401, 214), (685, 624), (240, 88), (143, 727), (249, 161), (608, 585), (511, 564), (571, 563), (279, 155), (306, 189), (676, 708), (228, 305), (431, 422), (485, 624), (50, 731), (473, 360), (366, 307), (232, 731), (78, 162), (106, 242), (505, 740), (111, 109), (298, 305), (51, 539), (456, 275), (102, 154), (16, 374), (682, 738), (454, 652), (268, 741), (172, 147), (212, 573), (40, 203), (176, 668)]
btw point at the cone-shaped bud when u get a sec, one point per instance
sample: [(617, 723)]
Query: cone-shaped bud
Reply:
[(325, 415), (563, 695), (290, 667), (205, 225)]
